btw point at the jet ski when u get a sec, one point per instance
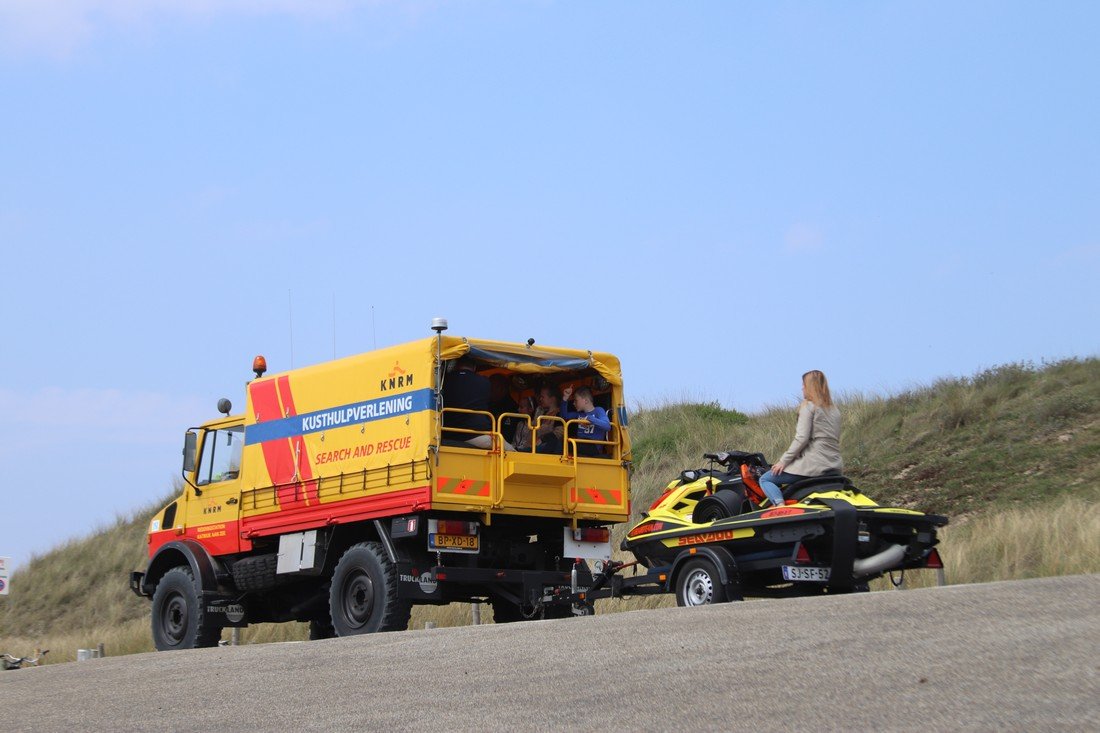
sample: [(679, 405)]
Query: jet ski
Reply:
[(713, 535)]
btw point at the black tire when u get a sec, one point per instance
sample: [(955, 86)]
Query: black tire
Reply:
[(179, 620), (321, 628), (506, 612), (257, 573), (560, 610), (363, 598), (698, 584), (719, 505)]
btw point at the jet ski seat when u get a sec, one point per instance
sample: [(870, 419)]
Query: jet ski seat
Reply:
[(800, 489)]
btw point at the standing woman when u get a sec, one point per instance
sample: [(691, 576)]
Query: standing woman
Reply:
[(815, 449)]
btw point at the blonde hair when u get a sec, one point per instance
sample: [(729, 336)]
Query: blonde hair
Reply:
[(817, 388)]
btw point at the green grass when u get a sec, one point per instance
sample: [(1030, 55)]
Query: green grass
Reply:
[(1012, 455), (1013, 434)]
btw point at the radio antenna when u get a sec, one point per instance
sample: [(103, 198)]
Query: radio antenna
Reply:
[(290, 319), (373, 329)]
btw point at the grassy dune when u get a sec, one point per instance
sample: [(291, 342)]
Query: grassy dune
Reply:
[(1012, 455), (1061, 538)]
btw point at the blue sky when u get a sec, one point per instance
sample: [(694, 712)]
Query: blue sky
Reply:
[(723, 194)]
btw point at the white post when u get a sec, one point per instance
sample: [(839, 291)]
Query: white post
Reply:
[(941, 576), (475, 610), (235, 636)]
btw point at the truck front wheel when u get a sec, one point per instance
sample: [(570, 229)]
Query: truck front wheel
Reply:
[(363, 597), (178, 618)]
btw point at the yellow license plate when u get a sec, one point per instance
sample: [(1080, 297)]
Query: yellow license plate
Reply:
[(459, 542)]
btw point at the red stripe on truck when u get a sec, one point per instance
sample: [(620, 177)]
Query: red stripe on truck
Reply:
[(273, 400), (218, 539), (298, 448), (302, 518)]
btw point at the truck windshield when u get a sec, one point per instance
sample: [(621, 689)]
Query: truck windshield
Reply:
[(221, 455)]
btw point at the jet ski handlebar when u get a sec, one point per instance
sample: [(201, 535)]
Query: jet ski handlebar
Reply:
[(728, 458)]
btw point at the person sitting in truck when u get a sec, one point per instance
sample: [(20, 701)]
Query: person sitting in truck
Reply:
[(521, 439), (465, 389), (501, 402), (549, 433), (596, 423)]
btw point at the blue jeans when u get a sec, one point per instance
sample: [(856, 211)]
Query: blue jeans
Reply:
[(770, 483)]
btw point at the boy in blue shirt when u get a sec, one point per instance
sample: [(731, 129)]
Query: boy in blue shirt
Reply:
[(596, 422)]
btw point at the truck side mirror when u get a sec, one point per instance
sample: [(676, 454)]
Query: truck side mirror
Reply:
[(190, 443)]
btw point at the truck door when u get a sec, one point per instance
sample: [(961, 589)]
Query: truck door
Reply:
[(212, 513)]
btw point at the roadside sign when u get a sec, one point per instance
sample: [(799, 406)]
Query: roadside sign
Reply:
[(4, 562)]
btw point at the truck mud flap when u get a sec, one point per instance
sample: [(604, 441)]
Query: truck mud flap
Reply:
[(845, 539), (137, 579), (225, 611), (416, 584)]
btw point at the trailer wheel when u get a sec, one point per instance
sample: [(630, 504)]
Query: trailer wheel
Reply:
[(699, 584), (179, 621), (363, 598)]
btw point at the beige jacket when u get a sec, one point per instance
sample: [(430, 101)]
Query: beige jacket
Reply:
[(816, 446)]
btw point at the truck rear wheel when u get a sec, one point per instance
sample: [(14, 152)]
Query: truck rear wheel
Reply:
[(363, 598), (179, 621), (699, 584)]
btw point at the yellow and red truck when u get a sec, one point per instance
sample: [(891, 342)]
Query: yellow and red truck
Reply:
[(343, 495)]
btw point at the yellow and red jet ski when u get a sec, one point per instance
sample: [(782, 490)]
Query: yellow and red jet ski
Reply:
[(713, 536)]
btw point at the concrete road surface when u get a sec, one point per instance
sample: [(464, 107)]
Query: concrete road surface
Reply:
[(1000, 656)]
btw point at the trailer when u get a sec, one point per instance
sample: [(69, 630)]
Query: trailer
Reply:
[(713, 536)]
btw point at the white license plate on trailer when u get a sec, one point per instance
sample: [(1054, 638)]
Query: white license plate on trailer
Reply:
[(798, 572)]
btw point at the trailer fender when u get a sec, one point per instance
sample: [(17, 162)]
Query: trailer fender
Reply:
[(845, 539), (723, 560), (207, 570)]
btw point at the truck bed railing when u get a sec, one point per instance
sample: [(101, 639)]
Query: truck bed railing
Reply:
[(331, 488), (614, 444), (591, 485), (493, 433)]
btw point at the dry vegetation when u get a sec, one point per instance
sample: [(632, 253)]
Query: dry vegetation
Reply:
[(1062, 538), (1012, 455)]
